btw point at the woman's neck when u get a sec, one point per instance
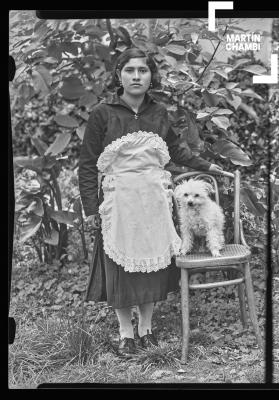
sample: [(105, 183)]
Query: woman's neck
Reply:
[(132, 101)]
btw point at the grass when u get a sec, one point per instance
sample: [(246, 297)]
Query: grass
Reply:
[(57, 346), (58, 350), (52, 344), (158, 357)]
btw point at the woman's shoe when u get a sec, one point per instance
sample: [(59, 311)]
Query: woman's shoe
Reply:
[(127, 347), (149, 340)]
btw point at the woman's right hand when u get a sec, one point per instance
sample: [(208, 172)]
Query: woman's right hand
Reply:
[(94, 220)]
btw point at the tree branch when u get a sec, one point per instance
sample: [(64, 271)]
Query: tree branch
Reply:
[(209, 62), (110, 31)]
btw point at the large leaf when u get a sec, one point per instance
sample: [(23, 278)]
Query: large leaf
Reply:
[(235, 102), (207, 78), (35, 164), (77, 206), (171, 61), (54, 50), (221, 72), (20, 206), (66, 121), (41, 146), (250, 111), (36, 207), (124, 35), (70, 47), (27, 196), (26, 92), (50, 60), (98, 88), (61, 216), (88, 99), (231, 85), (201, 115), (255, 69), (72, 88), (91, 30), (53, 238), (41, 80), (194, 37), (80, 131), (221, 122), (241, 61), (176, 49), (227, 149), (60, 143), (103, 52), (223, 111), (160, 96), (251, 93), (251, 202), (206, 34), (29, 228), (210, 98)]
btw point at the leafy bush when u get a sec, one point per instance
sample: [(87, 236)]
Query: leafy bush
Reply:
[(64, 69)]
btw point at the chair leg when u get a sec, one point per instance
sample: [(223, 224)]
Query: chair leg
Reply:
[(185, 314), (241, 297), (251, 304)]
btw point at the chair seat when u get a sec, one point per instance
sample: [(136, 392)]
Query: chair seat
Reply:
[(230, 254)]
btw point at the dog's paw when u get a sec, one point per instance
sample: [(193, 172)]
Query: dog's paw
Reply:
[(215, 253), (183, 251)]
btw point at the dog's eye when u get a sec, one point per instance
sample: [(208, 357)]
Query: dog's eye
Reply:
[(185, 194), (196, 195)]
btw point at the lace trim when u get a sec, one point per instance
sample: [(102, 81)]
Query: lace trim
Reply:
[(135, 138), (144, 264), (166, 180)]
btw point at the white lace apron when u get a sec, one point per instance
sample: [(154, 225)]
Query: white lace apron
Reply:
[(136, 213)]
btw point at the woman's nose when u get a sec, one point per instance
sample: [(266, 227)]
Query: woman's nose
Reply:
[(136, 75)]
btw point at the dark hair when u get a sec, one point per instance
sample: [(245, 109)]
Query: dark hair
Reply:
[(135, 52)]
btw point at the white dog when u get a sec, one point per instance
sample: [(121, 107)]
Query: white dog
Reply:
[(199, 216)]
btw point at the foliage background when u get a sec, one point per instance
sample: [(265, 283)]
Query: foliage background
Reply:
[(63, 70)]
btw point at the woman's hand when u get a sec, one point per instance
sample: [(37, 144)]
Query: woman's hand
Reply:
[(215, 168), (94, 220)]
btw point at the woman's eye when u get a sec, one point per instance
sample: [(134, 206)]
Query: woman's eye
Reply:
[(185, 194), (196, 195)]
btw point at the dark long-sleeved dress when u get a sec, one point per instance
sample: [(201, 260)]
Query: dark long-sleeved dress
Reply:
[(110, 121)]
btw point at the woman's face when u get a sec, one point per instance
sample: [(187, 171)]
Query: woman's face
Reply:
[(135, 77)]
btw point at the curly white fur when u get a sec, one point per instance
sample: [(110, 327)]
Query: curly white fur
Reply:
[(199, 216)]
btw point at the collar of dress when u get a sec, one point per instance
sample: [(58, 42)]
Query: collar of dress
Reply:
[(116, 101)]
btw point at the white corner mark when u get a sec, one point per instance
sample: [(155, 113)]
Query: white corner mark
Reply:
[(273, 78), (216, 5)]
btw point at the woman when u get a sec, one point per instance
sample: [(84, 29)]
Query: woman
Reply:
[(129, 140)]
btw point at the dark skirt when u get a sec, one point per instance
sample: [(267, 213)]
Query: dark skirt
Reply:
[(109, 282)]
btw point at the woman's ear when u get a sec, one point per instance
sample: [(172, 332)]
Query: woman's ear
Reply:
[(118, 73)]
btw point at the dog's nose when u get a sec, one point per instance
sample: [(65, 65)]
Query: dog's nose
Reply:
[(190, 203)]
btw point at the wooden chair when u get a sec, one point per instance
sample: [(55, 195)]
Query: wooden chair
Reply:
[(234, 256)]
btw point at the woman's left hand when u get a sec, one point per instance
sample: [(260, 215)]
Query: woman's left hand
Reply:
[(215, 168)]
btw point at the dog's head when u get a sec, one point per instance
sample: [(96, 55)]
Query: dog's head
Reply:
[(193, 193)]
